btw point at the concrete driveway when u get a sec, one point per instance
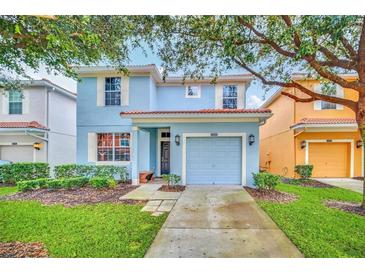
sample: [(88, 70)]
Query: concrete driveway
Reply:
[(348, 183), (219, 221)]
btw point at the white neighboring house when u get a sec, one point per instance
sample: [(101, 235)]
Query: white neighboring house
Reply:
[(38, 124)]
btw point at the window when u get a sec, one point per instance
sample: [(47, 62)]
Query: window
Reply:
[(165, 134), (230, 96), (328, 89), (112, 91), (192, 92), (328, 105), (15, 102), (113, 147)]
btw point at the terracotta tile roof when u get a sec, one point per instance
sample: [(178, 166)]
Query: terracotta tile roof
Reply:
[(324, 121), (32, 124), (201, 111)]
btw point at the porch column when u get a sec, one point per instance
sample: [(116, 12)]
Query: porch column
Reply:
[(134, 156)]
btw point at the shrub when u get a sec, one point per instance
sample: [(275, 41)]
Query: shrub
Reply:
[(171, 179), (55, 184), (99, 182), (67, 183), (265, 180), (304, 171), (13, 173), (32, 184), (112, 183), (74, 170)]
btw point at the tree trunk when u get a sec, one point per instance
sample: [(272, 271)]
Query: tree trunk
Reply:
[(360, 118)]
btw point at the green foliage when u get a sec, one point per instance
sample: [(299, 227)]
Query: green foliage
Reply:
[(76, 170), (304, 171), (99, 182), (32, 184), (88, 231), (171, 179), (112, 183), (73, 170), (58, 41), (69, 183), (13, 173), (55, 183), (319, 231), (265, 180)]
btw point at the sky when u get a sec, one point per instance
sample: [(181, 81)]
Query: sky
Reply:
[(254, 96)]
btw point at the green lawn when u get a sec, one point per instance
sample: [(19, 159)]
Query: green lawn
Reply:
[(103, 230), (7, 190), (316, 230)]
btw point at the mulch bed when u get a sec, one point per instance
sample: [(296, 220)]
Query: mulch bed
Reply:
[(22, 250), (307, 183), (358, 178), (168, 188), (346, 206), (271, 195), (73, 197)]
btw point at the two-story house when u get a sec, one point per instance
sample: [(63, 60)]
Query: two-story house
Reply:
[(196, 129), (38, 124), (319, 133)]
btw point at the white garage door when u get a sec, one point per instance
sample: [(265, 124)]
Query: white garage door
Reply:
[(17, 153), (213, 160)]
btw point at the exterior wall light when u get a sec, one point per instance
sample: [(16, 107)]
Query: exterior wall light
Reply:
[(251, 139), (358, 143), (177, 139), (303, 144), (37, 146)]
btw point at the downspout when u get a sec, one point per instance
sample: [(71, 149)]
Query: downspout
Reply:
[(47, 121)]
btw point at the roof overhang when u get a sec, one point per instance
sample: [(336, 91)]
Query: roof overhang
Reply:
[(196, 116), (9, 130), (345, 127), (151, 69)]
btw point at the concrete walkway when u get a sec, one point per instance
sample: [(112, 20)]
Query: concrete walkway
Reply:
[(219, 221), (348, 183)]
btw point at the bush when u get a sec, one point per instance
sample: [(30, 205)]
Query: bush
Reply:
[(304, 171), (55, 184), (171, 179), (75, 170), (32, 184), (265, 180), (99, 182), (67, 183), (13, 173)]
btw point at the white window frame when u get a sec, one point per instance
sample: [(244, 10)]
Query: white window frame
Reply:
[(318, 104), (113, 147), (193, 96), (113, 91), (20, 101), (208, 135), (224, 97)]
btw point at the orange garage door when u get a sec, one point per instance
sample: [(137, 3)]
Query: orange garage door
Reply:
[(330, 159)]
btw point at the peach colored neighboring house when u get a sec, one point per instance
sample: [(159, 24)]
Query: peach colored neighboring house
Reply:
[(319, 133)]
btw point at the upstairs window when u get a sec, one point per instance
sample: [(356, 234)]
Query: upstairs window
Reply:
[(192, 92), (328, 105), (113, 147), (15, 102), (327, 89), (112, 91), (230, 97)]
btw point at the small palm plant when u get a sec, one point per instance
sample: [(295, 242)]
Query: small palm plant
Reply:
[(171, 179)]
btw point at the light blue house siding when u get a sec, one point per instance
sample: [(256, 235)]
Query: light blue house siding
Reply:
[(173, 98)]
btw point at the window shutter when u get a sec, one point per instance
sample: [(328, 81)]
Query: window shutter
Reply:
[(91, 147), (25, 102), (340, 94), (218, 96), (241, 96), (100, 91), (318, 103), (125, 91), (5, 103)]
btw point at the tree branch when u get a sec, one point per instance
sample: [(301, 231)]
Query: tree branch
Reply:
[(361, 53), (349, 48), (297, 99), (315, 96)]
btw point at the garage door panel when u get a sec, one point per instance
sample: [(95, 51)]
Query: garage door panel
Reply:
[(213, 160), (17, 153), (330, 159)]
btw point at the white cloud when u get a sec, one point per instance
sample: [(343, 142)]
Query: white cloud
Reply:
[(254, 101)]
